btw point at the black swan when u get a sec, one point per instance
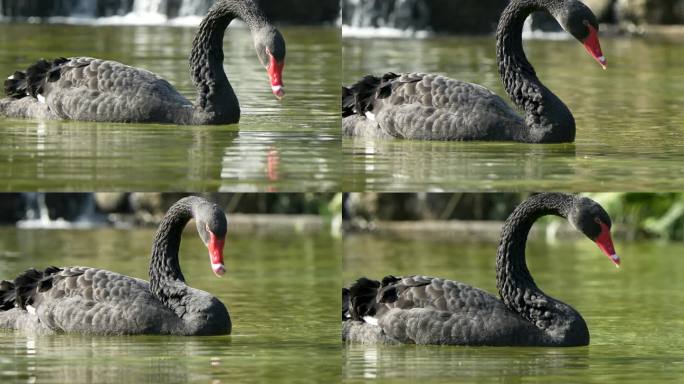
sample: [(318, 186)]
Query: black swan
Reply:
[(432, 107), (83, 88), (95, 301), (427, 310)]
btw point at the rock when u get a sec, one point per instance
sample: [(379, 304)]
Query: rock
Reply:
[(12, 208), (650, 11), (465, 16), (112, 202), (603, 9), (68, 206)]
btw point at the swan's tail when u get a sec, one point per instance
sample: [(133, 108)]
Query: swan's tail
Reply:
[(8, 295), (345, 304), (32, 81), (362, 298), (22, 291), (16, 86), (359, 98)]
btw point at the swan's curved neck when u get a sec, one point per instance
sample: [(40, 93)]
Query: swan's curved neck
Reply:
[(166, 279), (514, 282), (547, 119), (216, 101)]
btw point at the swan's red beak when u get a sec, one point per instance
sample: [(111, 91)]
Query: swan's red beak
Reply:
[(216, 254), (593, 46), (275, 74), (605, 242)]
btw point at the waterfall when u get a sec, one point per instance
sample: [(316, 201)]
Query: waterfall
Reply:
[(80, 211), (149, 7), (85, 9), (36, 208), (387, 18), (194, 7), (108, 11)]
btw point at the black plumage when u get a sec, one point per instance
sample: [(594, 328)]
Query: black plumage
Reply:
[(89, 89), (432, 107), (96, 301), (430, 310)]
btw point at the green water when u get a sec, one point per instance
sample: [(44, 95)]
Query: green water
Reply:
[(293, 145), (282, 293), (630, 124), (634, 314)]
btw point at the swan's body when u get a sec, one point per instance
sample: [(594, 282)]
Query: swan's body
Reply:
[(433, 107), (428, 310), (89, 89), (95, 301)]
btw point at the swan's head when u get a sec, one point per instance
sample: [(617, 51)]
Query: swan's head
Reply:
[(212, 227), (591, 219), (579, 21), (270, 47)]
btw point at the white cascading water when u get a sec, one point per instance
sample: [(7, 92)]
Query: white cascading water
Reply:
[(84, 9), (149, 7), (38, 215), (374, 18), (153, 12)]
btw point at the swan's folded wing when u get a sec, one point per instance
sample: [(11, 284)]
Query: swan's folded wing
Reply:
[(96, 301), (435, 293), (88, 89), (426, 310), (432, 107)]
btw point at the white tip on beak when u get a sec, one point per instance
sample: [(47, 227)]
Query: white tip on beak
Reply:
[(278, 91), (219, 269), (616, 260)]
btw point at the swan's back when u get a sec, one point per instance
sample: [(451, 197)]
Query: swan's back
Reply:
[(89, 301), (427, 310), (428, 107), (88, 89)]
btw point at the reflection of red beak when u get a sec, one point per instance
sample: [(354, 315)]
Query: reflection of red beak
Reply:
[(593, 46), (605, 242), (216, 254), (275, 73)]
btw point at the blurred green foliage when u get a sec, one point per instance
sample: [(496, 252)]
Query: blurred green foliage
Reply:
[(635, 215), (659, 215)]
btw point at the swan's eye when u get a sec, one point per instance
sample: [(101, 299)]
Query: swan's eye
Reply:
[(598, 221)]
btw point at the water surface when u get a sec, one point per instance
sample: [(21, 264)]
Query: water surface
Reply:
[(293, 145), (630, 124), (282, 293), (634, 314)]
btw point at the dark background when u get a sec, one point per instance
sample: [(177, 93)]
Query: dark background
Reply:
[(284, 11)]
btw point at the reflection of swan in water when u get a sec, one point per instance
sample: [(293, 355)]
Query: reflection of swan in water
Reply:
[(253, 156), (408, 164), (371, 361), (79, 358)]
